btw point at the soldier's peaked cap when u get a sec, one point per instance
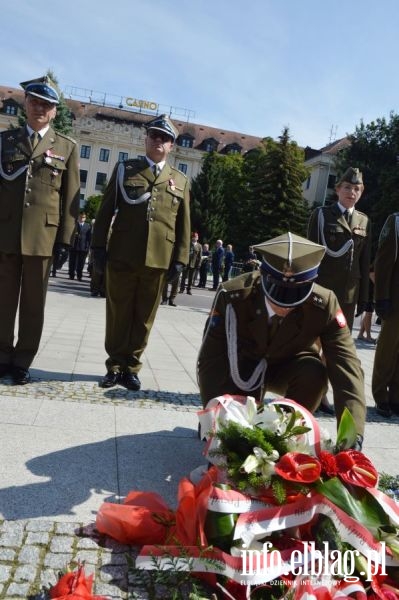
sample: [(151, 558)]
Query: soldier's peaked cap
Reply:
[(164, 124), (289, 267), (352, 175), (42, 88)]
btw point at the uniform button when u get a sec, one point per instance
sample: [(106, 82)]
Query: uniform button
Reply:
[(27, 203), (28, 190), (31, 162), (151, 219), (153, 208), (30, 176)]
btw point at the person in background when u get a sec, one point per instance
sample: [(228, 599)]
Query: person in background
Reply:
[(193, 264), (174, 286), (263, 330), (385, 377), (367, 316), (39, 197), (80, 244), (217, 263), (228, 262), (204, 266), (251, 261), (345, 233), (149, 201)]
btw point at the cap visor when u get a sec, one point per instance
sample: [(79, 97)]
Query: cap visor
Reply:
[(286, 296), (46, 98)]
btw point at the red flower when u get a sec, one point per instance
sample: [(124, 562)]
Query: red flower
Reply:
[(383, 587), (74, 586), (298, 467), (328, 463), (355, 468)]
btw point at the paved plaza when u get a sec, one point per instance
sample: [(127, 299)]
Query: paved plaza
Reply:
[(68, 445)]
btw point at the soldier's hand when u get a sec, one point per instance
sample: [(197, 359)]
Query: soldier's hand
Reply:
[(174, 271), (99, 260), (60, 254), (383, 308)]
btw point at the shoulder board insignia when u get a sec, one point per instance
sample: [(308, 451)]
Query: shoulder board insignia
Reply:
[(317, 300), (66, 137), (180, 172)]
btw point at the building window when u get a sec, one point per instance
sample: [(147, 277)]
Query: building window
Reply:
[(140, 157), (332, 179), (85, 151), (185, 141), (308, 182), (11, 109), (209, 146), (101, 180), (104, 155), (83, 178), (123, 156), (82, 200), (183, 167)]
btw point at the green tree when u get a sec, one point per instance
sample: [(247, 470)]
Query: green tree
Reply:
[(274, 203), (91, 205), (374, 149), (63, 120), (211, 195)]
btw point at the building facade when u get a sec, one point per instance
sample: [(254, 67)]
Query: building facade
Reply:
[(107, 134)]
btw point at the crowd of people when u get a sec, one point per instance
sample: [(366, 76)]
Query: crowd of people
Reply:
[(282, 322)]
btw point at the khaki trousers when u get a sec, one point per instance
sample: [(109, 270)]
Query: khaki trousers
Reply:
[(133, 296), (23, 284)]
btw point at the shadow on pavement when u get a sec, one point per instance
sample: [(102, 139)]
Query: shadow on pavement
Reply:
[(104, 471)]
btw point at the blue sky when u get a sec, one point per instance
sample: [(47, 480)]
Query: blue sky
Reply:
[(315, 66)]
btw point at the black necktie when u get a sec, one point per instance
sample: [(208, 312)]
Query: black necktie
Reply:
[(156, 169), (274, 324), (347, 216)]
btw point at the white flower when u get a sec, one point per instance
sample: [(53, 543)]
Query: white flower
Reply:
[(261, 462)]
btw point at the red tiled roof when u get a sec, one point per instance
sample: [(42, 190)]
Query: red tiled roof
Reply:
[(197, 131)]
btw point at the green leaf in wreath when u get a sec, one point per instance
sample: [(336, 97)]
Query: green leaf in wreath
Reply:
[(346, 434)]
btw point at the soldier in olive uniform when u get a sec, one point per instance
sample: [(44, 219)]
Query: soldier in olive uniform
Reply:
[(263, 330), (150, 238), (385, 379), (194, 261), (345, 234), (39, 202)]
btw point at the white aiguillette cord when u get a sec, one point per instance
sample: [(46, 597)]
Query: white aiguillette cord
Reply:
[(258, 375)]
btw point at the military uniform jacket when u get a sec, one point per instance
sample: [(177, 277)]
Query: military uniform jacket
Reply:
[(195, 255), (152, 216), (386, 264), (238, 325), (345, 266), (39, 192)]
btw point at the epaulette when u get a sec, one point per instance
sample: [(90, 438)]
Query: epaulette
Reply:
[(63, 135), (361, 213), (317, 300), (241, 286), (180, 172)]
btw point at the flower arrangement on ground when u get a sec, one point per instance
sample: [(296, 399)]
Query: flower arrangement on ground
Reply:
[(283, 512)]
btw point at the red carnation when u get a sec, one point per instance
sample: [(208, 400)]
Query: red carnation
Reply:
[(328, 463)]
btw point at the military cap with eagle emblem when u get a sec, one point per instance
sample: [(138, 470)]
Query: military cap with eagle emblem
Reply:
[(164, 124), (42, 88), (289, 267)]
